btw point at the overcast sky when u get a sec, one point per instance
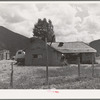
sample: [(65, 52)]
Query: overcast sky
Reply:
[(72, 21)]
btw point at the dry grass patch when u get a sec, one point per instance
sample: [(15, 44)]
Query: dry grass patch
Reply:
[(34, 77)]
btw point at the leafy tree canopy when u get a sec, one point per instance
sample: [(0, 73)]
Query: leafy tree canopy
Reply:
[(43, 29)]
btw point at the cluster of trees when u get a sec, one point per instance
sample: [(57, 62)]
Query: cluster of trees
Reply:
[(44, 29)]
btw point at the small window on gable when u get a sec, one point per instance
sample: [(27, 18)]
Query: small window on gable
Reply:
[(35, 56)]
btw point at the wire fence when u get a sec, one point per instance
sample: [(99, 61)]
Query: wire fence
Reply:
[(34, 77)]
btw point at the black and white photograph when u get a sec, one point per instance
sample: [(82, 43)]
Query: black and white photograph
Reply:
[(49, 45)]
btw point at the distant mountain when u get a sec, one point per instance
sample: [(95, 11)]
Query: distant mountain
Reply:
[(96, 45), (12, 41)]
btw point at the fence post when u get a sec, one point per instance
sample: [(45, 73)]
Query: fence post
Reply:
[(47, 80), (78, 66), (92, 65), (11, 77)]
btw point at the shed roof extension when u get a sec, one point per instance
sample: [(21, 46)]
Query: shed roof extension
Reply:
[(72, 47)]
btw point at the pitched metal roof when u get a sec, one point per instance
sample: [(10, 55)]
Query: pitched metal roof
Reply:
[(72, 47)]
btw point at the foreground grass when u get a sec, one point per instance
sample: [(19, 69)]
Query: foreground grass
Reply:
[(59, 77)]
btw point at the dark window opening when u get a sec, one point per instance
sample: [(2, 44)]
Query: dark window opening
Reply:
[(37, 56), (19, 52), (6, 56)]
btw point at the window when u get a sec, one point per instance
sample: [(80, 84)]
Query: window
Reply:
[(19, 52), (37, 56), (60, 44)]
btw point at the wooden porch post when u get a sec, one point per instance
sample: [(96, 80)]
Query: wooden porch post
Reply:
[(78, 66), (92, 64)]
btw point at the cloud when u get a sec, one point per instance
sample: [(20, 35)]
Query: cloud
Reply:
[(89, 27), (24, 28), (19, 18), (20, 15), (63, 18), (72, 21), (91, 24), (10, 14)]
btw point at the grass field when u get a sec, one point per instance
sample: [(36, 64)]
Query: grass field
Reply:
[(34, 77)]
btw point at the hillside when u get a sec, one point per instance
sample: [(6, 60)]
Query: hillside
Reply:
[(96, 45), (12, 41)]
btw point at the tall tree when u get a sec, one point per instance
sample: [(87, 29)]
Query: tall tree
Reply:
[(44, 29)]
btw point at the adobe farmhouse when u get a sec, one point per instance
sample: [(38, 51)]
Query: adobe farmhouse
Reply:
[(36, 53)]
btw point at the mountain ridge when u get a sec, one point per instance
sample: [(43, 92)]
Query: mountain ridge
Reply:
[(96, 45), (12, 41)]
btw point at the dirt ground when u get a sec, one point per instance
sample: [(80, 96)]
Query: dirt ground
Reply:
[(34, 77)]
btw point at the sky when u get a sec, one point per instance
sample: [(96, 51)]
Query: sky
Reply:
[(72, 21)]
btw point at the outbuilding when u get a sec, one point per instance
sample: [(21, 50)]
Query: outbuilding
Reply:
[(4, 54), (36, 52)]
